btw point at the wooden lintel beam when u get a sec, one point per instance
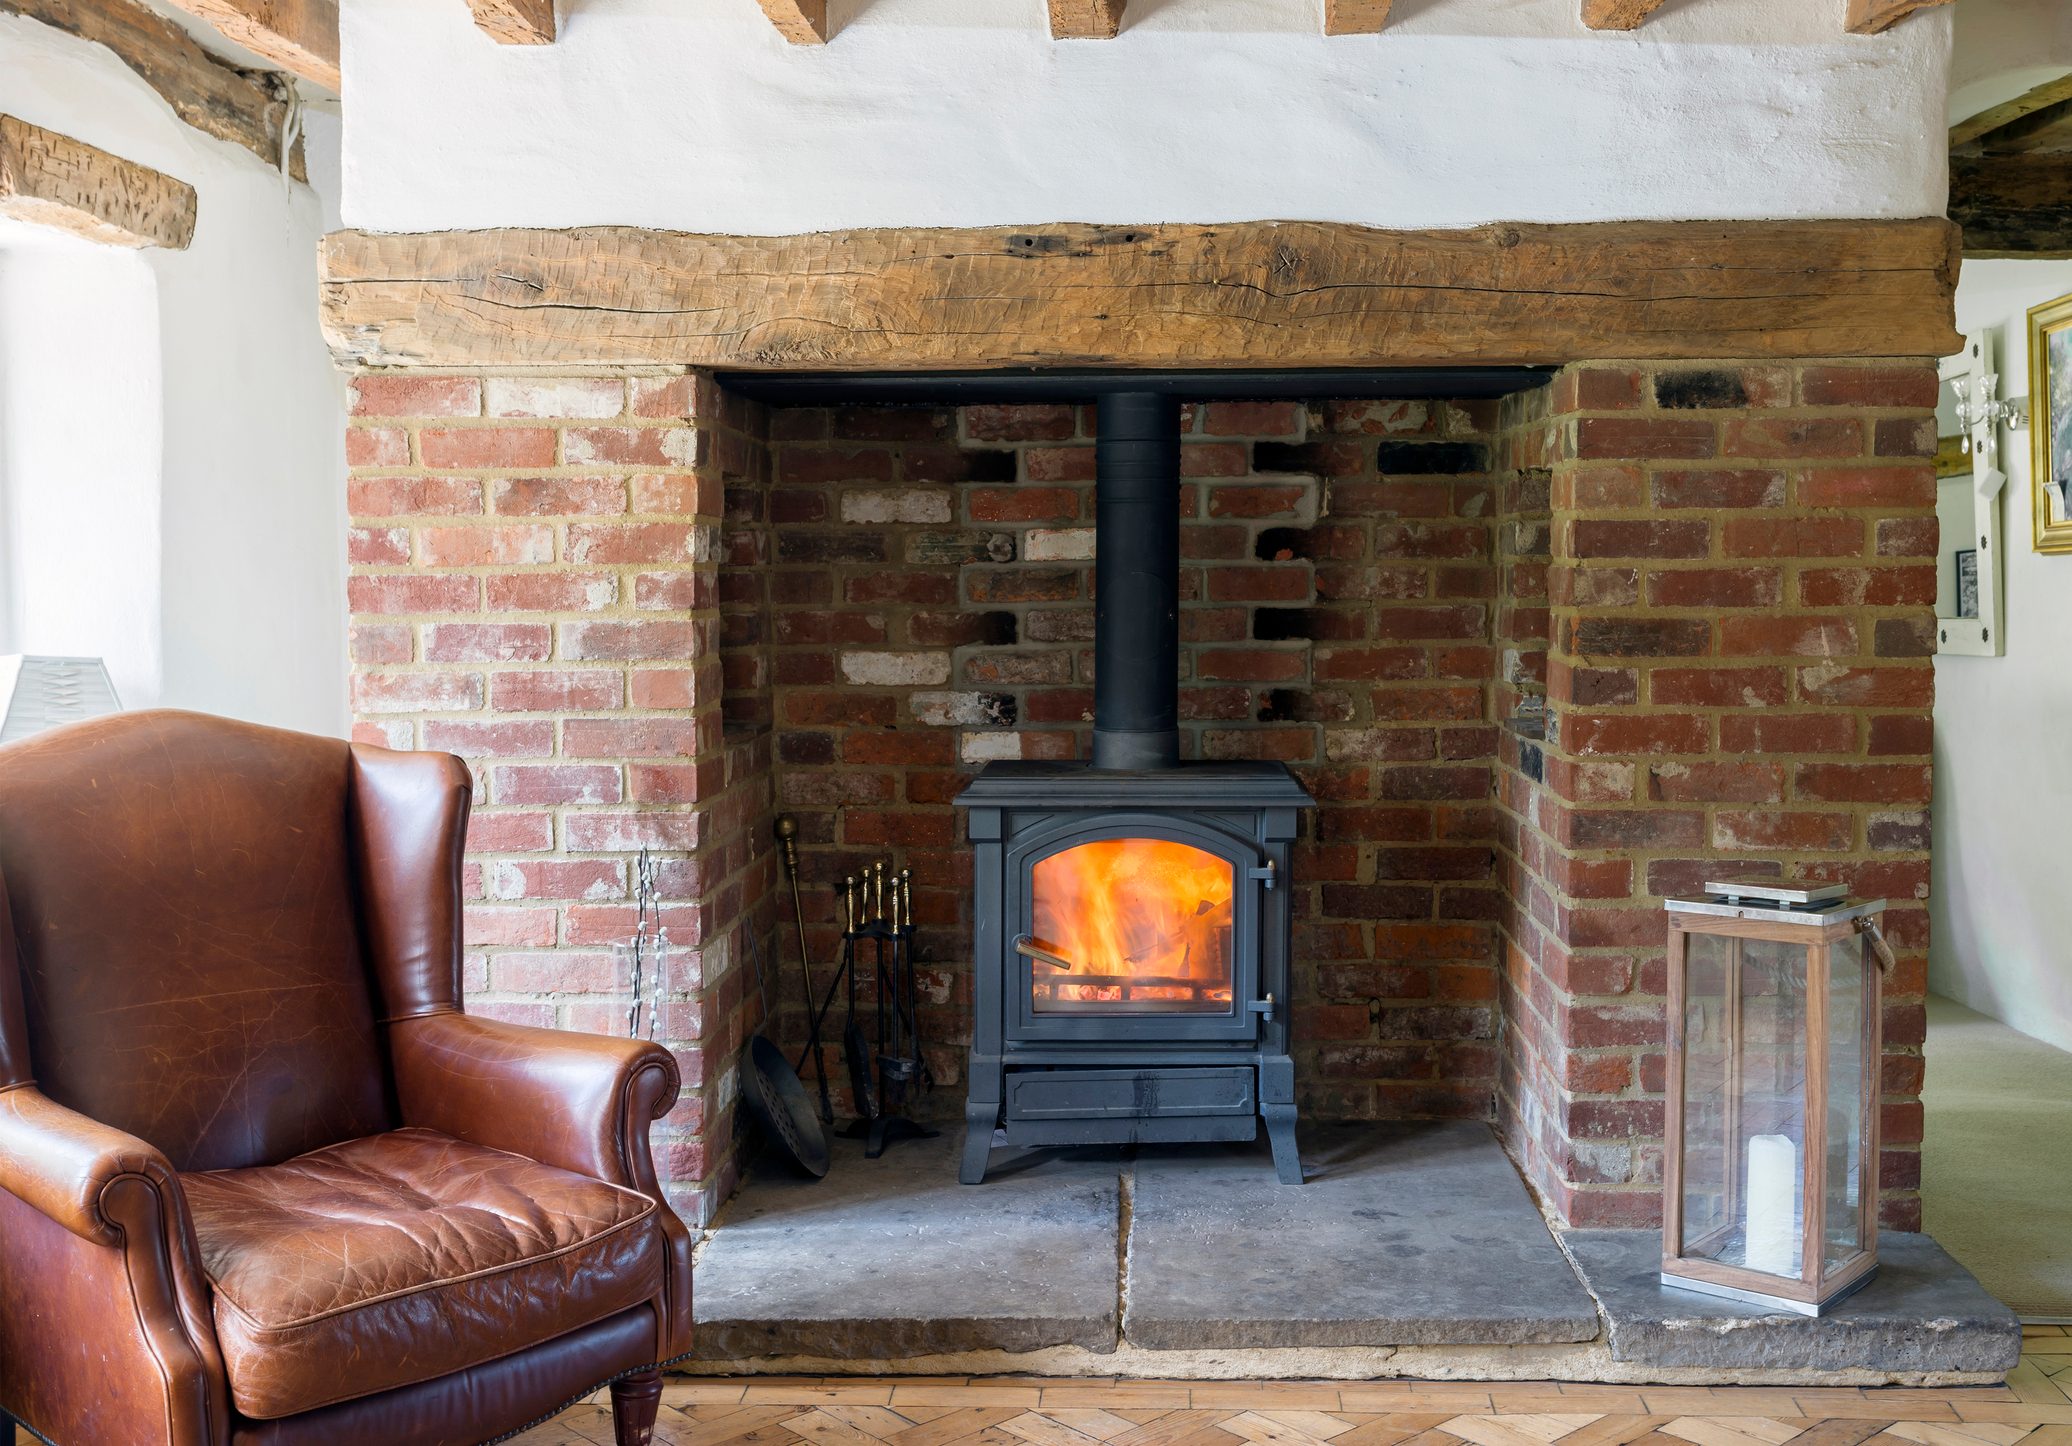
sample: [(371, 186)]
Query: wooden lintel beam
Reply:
[(515, 22), (300, 36), (1869, 17), (1618, 14), (1086, 19), (242, 107), (1355, 17), (2043, 97), (53, 180), (2016, 206), (1253, 294), (802, 22)]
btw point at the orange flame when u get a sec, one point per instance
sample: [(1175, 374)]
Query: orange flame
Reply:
[(1144, 921)]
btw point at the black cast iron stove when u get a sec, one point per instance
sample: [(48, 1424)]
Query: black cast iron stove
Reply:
[(1132, 912)]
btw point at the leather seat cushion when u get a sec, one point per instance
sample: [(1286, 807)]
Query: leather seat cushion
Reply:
[(400, 1257)]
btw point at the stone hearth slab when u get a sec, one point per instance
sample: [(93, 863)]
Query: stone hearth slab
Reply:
[(892, 1257), (1923, 1313), (1400, 1235)]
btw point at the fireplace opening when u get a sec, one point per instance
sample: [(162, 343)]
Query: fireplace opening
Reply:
[(1131, 926)]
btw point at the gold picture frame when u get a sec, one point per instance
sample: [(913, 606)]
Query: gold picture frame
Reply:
[(2050, 423)]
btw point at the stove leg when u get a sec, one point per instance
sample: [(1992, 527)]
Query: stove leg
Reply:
[(1280, 1132), (981, 1116)]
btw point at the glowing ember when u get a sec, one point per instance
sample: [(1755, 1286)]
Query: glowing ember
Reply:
[(1145, 922)]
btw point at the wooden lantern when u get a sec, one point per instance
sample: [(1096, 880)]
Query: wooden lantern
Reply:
[(1770, 1175)]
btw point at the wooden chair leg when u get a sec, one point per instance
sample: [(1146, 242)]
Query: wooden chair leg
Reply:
[(635, 1401)]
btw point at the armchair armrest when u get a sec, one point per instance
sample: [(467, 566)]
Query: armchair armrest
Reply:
[(96, 1245), (64, 1164), (582, 1102)]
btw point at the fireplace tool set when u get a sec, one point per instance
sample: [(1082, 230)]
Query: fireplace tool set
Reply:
[(885, 1064)]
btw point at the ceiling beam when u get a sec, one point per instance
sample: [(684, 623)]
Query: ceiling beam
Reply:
[(2048, 94), (1251, 294), (1618, 14), (49, 179), (239, 106), (1869, 17), (1085, 19), (2017, 206), (515, 22), (802, 22), (300, 36), (1355, 17)]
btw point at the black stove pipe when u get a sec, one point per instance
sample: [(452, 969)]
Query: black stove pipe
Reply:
[(1137, 581)]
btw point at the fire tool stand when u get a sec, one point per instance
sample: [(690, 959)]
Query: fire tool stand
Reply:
[(900, 1070)]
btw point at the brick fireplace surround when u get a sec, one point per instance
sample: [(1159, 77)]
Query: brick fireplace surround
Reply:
[(1542, 662)]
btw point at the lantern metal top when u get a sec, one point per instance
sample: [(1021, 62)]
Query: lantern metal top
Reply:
[(1817, 905)]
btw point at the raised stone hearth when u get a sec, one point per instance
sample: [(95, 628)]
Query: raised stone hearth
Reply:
[(1411, 1250)]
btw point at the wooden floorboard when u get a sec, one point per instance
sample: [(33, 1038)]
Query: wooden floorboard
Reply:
[(2033, 1409)]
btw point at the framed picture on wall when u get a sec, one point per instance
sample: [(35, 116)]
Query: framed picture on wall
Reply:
[(2050, 422)]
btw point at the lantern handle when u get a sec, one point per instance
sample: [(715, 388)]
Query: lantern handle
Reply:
[(1887, 960)]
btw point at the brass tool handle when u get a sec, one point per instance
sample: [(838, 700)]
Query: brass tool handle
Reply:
[(1887, 960), (848, 903), (878, 909), (1028, 948), (906, 896)]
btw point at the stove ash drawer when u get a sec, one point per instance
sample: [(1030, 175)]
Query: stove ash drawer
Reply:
[(1098, 1094)]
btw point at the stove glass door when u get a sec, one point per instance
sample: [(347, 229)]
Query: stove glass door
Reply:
[(1131, 926)]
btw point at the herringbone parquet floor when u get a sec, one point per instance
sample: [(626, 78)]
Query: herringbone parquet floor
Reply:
[(2034, 1408)]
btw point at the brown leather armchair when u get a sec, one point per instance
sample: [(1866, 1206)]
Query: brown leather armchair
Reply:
[(264, 1182)]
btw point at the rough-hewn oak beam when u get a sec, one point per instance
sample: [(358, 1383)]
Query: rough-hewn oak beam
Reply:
[(2013, 205), (2050, 93), (515, 22), (1868, 17), (221, 100), (1085, 19), (1256, 294), (1618, 14), (300, 36), (802, 22), (1355, 17), (53, 180)]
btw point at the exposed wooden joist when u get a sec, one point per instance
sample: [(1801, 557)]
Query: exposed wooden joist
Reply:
[(802, 22), (515, 22), (1256, 294), (1868, 17), (52, 180), (1355, 17), (1085, 19), (1618, 14), (221, 100), (2013, 205), (300, 36), (2050, 93)]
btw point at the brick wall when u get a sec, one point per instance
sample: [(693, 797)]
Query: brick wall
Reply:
[(535, 585), (1738, 679), (930, 609), (1540, 665)]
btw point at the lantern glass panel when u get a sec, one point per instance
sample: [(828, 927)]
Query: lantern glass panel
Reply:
[(1848, 1010), (1744, 1104)]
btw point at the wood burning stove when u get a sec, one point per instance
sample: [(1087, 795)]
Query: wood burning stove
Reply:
[(1131, 941)]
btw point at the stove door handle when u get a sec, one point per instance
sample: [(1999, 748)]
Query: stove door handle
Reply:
[(1265, 876), (1030, 949), (1261, 1007)]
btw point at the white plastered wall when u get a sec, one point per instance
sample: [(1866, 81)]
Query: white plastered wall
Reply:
[(696, 115), (2001, 895), (171, 427)]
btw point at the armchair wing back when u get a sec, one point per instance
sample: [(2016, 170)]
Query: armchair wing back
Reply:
[(191, 963), (262, 1180)]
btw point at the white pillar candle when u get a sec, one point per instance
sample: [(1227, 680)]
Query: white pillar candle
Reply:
[(1770, 1186)]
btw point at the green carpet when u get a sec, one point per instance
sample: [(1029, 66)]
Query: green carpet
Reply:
[(1996, 1163)]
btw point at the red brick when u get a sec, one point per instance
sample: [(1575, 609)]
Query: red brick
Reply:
[(484, 546), (1794, 437), (1739, 488), (1716, 587), (1811, 635), (416, 692), (487, 643), (637, 543), (1047, 422), (1620, 733), (1277, 582), (1716, 782), (636, 446), (1792, 537), (1902, 734), (1718, 687), (377, 447), (555, 783), (1893, 783), (487, 446), (1888, 487), (1252, 665), (1023, 504), (377, 546), (1591, 538), (1868, 687), (1637, 438), (413, 497), (1777, 829), (412, 593), (490, 740), (1787, 733), (550, 592), (1914, 386), (555, 690), (557, 496), (408, 395)]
